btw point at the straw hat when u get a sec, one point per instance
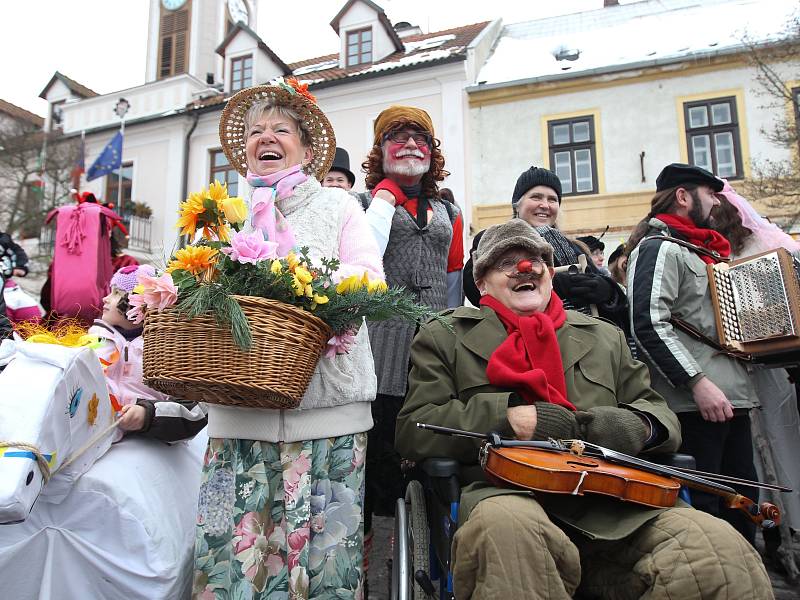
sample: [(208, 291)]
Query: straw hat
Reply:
[(287, 93)]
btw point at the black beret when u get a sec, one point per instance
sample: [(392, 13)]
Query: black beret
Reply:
[(616, 253), (677, 174)]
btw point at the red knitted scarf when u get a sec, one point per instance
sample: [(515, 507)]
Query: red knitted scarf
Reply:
[(706, 238), (529, 360)]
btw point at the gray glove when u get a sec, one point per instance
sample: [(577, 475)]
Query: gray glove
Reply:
[(555, 421), (618, 429)]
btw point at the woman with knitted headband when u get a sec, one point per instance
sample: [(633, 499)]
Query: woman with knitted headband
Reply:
[(144, 411), (280, 503)]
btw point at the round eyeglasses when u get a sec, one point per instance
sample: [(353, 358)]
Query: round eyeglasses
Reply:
[(512, 266)]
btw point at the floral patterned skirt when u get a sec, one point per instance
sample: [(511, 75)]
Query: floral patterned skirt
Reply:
[(281, 520)]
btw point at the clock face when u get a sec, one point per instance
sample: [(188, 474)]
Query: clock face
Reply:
[(237, 9), (173, 4)]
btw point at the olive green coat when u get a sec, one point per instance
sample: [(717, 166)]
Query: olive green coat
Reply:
[(448, 387)]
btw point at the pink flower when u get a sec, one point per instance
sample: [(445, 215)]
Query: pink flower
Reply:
[(159, 292), (297, 541), (249, 528), (135, 313), (340, 344), (251, 248)]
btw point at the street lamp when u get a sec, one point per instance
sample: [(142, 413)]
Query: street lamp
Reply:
[(120, 109)]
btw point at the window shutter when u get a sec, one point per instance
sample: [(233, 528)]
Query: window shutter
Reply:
[(174, 37)]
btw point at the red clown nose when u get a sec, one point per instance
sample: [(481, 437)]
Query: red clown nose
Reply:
[(524, 266)]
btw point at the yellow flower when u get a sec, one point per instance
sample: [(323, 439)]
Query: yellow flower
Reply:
[(376, 285), (298, 287), (303, 275), (317, 300), (276, 268), (349, 285), (365, 279), (190, 211), (292, 260), (194, 259), (218, 192), (309, 291), (235, 210), (139, 289)]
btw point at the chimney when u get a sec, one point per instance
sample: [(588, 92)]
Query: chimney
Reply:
[(607, 3)]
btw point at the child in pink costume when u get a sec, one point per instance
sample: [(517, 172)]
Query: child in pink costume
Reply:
[(144, 411)]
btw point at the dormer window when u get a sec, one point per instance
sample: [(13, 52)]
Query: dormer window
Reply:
[(241, 72), (359, 46), (57, 115)]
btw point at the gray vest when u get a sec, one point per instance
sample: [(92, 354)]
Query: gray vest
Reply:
[(415, 259)]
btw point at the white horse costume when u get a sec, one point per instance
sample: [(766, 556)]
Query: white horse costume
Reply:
[(53, 403), (120, 527)]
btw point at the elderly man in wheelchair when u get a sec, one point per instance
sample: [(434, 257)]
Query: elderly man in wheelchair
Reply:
[(524, 367)]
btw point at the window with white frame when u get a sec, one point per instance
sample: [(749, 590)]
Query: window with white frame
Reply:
[(572, 154), (712, 136)]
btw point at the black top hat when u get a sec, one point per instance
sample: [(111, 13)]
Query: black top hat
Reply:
[(677, 174), (341, 163), (592, 242)]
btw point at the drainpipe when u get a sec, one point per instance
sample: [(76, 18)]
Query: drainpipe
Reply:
[(185, 177)]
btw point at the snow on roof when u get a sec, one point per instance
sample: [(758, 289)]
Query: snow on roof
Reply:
[(422, 57), (428, 44), (651, 30), (320, 66)]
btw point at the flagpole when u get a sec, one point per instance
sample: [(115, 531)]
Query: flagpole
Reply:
[(119, 176), (120, 109)]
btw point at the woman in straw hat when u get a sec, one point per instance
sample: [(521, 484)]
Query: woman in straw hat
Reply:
[(280, 504)]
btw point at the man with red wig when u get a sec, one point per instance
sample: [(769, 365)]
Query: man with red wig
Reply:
[(421, 237)]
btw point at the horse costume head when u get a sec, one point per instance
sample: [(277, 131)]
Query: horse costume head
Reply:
[(53, 402)]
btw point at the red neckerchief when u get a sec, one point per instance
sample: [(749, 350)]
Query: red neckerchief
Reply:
[(512, 363), (706, 238), (410, 204)]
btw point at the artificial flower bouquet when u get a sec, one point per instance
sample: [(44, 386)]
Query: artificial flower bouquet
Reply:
[(209, 282)]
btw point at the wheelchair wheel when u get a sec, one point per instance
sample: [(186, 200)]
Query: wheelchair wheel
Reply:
[(410, 552), (419, 540)]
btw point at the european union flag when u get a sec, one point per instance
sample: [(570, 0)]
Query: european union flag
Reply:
[(109, 160)]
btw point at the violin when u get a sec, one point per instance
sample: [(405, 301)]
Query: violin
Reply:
[(576, 467)]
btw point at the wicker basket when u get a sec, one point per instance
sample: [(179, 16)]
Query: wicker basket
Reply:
[(197, 359)]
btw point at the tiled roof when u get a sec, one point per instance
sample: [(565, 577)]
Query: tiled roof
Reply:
[(427, 49), (20, 114), (74, 86), (438, 46)]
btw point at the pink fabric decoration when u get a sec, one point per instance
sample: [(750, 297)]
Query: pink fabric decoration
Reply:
[(340, 344), (265, 215), (159, 292), (766, 235), (251, 247)]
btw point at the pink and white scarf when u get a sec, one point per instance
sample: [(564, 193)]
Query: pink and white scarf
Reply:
[(265, 215)]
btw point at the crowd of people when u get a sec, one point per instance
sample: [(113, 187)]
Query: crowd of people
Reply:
[(548, 346)]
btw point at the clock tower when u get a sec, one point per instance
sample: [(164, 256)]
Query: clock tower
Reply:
[(183, 36)]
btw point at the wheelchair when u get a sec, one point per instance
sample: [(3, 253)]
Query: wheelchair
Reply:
[(426, 521)]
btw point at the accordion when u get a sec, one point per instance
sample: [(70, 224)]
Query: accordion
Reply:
[(757, 303)]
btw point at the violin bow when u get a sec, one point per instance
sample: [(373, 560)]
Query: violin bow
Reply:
[(765, 514)]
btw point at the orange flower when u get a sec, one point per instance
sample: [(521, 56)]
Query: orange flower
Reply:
[(190, 211), (194, 259), (301, 88)]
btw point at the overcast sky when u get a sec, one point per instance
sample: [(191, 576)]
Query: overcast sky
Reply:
[(102, 43)]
